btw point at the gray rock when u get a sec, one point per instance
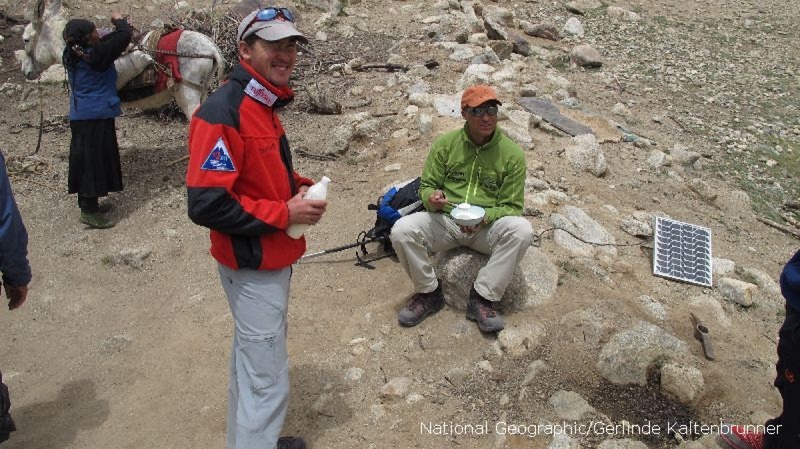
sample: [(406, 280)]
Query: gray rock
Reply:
[(735, 202), (737, 291), (705, 191), (636, 228), (447, 105), (652, 307), (517, 340), (353, 374), (589, 326), (533, 370), (570, 406), (710, 311), (760, 278), (502, 49), (682, 156), (578, 222), (496, 31), (547, 197), (585, 154), (623, 14), (586, 56), (339, 141), (657, 159), (456, 377), (622, 443), (722, 267), (574, 27), (474, 74), (684, 383), (133, 257), (396, 388), (533, 283), (544, 30), (626, 358), (564, 441), (425, 124)]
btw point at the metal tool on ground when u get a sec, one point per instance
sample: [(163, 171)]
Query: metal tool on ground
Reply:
[(363, 256), (702, 333)]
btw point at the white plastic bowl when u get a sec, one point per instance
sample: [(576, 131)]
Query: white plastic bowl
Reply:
[(467, 215)]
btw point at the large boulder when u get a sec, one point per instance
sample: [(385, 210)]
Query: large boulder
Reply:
[(533, 283), (626, 358)]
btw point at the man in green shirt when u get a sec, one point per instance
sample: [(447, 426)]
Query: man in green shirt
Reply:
[(479, 165)]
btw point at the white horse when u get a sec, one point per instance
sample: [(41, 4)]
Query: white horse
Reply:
[(198, 58)]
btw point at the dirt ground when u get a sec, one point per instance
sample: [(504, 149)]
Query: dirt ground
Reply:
[(113, 354)]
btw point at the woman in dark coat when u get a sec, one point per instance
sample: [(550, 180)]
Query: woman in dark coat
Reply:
[(94, 163)]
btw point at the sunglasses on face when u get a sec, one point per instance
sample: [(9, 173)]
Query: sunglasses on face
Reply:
[(477, 112), (268, 15)]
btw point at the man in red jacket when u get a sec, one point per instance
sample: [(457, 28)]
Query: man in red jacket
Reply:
[(242, 186)]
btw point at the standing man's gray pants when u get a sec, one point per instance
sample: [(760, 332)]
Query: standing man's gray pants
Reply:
[(258, 389)]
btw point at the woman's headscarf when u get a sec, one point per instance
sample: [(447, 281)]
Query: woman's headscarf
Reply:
[(76, 37)]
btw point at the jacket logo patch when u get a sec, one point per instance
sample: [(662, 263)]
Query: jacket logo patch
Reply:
[(260, 93), (219, 159)]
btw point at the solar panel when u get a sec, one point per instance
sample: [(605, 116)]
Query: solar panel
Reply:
[(682, 251)]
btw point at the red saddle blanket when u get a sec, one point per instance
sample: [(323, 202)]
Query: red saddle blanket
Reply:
[(167, 57)]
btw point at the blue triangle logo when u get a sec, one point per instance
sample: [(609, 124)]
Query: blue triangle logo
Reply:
[(219, 159)]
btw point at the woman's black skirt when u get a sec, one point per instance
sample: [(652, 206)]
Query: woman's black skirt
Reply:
[(94, 165)]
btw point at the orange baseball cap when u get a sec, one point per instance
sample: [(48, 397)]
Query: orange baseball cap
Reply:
[(476, 95)]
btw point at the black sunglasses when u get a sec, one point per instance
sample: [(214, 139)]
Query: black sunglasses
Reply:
[(477, 112), (268, 15)]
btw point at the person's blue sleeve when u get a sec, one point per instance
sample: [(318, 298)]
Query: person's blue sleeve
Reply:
[(13, 237)]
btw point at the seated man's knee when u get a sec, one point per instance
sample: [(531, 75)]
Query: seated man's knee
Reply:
[(520, 228), (402, 230)]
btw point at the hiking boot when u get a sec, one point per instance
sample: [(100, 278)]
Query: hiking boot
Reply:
[(105, 207), (95, 221), (420, 306), (739, 438), (482, 310), (291, 443)]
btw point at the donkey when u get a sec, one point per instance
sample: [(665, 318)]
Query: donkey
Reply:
[(199, 56)]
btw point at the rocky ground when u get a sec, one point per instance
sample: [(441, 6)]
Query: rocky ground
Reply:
[(124, 340)]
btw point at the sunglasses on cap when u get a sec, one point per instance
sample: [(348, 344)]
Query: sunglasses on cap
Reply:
[(477, 112), (268, 15)]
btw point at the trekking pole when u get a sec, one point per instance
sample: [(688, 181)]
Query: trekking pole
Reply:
[(341, 248)]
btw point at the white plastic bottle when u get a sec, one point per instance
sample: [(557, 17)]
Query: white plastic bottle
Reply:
[(318, 191)]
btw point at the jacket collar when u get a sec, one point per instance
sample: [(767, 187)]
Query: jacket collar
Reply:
[(259, 89)]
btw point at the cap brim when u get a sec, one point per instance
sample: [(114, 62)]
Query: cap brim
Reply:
[(277, 30)]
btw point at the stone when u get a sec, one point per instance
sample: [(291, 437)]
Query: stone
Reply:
[(760, 278), (534, 369), (619, 13), (586, 56), (621, 443), (574, 27), (737, 291), (657, 159), (683, 383), (579, 223), (704, 190), (518, 339), (353, 374), (734, 202), (636, 228), (628, 355), (502, 49), (722, 267), (544, 30), (533, 283), (585, 154), (570, 406), (652, 307), (396, 388)]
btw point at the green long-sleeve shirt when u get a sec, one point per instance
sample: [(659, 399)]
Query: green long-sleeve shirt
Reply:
[(491, 176)]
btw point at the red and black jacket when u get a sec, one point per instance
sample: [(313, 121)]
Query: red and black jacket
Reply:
[(240, 173)]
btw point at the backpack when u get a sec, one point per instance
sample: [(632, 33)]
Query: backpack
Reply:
[(6, 423), (399, 201)]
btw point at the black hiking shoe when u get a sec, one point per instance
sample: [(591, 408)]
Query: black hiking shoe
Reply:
[(291, 443), (420, 306), (482, 311), (96, 221)]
